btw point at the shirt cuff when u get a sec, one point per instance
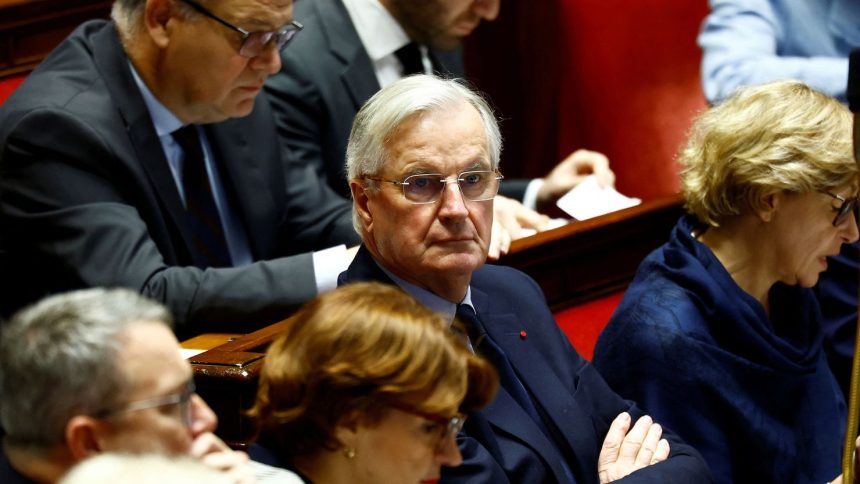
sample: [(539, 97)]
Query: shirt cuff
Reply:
[(328, 264), (530, 197)]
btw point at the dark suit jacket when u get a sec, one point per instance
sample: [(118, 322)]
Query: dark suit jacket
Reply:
[(8, 475), (837, 294), (501, 443), (87, 197), (326, 77)]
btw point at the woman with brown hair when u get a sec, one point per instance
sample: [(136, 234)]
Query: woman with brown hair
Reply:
[(367, 385)]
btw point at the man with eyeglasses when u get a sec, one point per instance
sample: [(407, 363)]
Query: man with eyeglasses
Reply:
[(352, 48), (423, 162), (138, 154), (99, 371)]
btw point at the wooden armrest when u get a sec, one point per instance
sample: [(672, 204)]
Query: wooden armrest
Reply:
[(585, 260)]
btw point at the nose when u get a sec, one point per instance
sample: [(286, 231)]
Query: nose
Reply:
[(203, 419), (453, 205), (449, 454), (486, 9), (849, 230), (269, 60)]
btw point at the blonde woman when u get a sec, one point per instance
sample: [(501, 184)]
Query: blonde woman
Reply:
[(718, 336)]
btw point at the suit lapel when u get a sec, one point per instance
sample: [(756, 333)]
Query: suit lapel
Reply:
[(550, 392), (503, 413), (113, 64), (357, 76), (450, 62)]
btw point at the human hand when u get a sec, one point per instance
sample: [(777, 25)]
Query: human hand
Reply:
[(214, 453), (570, 172), (509, 218), (624, 452)]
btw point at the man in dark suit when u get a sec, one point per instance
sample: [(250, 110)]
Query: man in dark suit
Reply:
[(100, 187), (354, 47), (554, 418)]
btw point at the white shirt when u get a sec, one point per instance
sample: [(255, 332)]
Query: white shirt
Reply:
[(381, 36)]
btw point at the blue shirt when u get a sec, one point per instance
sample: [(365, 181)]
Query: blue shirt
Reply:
[(165, 124), (748, 42)]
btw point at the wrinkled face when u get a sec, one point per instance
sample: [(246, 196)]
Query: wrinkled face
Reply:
[(428, 242), (154, 365), (442, 24), (202, 61), (402, 448), (807, 236)]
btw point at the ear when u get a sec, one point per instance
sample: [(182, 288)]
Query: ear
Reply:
[(156, 20), (82, 437), (360, 195), (346, 431), (768, 205)]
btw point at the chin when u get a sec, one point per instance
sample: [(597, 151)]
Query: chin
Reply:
[(242, 110), (459, 265)]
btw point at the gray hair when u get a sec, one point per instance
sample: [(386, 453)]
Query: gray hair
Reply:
[(59, 358), (126, 15), (379, 118)]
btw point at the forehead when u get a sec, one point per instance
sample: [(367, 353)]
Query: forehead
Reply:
[(151, 359), (452, 137), (255, 14)]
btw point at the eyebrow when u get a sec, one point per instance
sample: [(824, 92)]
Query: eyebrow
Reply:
[(420, 168)]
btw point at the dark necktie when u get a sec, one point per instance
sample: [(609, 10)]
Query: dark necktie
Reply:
[(410, 57), (200, 206), (486, 347)]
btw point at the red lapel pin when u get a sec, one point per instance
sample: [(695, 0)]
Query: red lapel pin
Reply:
[(523, 334)]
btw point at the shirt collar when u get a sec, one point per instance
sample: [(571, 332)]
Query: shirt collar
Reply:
[(380, 33), (164, 120), (433, 302)]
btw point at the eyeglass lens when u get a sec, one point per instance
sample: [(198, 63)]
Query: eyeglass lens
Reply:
[(474, 185), (848, 207), (255, 43)]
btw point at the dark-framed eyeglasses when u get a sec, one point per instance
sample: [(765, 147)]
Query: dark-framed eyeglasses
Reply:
[(477, 186), (181, 399), (253, 43), (848, 207), (447, 427)]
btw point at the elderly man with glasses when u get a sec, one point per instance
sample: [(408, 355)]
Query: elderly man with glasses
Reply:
[(423, 162), (355, 47), (99, 371), (140, 155)]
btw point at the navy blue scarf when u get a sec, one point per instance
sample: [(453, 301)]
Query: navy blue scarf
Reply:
[(752, 393)]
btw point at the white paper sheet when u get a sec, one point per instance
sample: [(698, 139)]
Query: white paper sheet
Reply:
[(588, 199)]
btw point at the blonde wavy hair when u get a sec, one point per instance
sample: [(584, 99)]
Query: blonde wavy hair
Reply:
[(779, 136), (360, 349)]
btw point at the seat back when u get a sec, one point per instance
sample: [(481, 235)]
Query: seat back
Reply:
[(613, 76)]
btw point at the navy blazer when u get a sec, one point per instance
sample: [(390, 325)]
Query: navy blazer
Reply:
[(325, 79), (501, 443), (8, 475), (87, 197), (837, 293)]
